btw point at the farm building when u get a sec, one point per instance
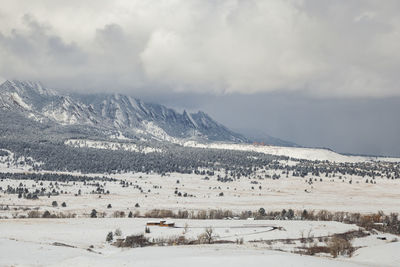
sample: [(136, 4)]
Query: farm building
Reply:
[(161, 223)]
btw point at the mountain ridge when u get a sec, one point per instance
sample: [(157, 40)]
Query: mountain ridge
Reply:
[(119, 112)]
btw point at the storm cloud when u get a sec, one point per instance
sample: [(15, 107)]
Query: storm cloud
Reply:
[(334, 48), (323, 56)]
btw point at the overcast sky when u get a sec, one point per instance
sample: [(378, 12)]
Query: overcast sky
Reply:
[(319, 73)]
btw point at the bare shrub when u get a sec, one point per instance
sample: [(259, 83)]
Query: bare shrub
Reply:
[(324, 215), (134, 241), (207, 237), (367, 221), (119, 214), (186, 228), (288, 241), (173, 241), (101, 214), (310, 236), (118, 232), (202, 215), (65, 215), (156, 213), (339, 246), (34, 214), (183, 214), (302, 239), (239, 241), (315, 249)]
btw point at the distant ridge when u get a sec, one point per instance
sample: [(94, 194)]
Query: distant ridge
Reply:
[(126, 115)]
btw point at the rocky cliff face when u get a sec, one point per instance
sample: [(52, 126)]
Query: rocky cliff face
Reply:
[(122, 113)]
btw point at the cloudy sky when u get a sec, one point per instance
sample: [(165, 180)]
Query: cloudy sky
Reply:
[(319, 73)]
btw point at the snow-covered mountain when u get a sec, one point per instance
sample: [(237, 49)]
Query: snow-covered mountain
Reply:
[(126, 115)]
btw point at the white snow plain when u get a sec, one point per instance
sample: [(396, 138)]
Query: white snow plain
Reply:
[(31, 242), (293, 152)]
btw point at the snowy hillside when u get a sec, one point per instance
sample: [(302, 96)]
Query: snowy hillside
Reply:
[(293, 152), (116, 112), (110, 145)]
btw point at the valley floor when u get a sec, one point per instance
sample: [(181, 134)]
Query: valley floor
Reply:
[(81, 241), (152, 191), (47, 255), (65, 242)]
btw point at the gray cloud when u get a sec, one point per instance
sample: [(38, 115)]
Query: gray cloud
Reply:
[(35, 52), (365, 126), (334, 48)]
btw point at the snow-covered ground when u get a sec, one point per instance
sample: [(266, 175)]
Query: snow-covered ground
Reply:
[(94, 231), (110, 145), (159, 192), (31, 242), (35, 238), (199, 256), (9, 163), (378, 255), (293, 152)]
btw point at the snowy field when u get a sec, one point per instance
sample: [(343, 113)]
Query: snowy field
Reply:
[(47, 255), (32, 242), (93, 231), (152, 191), (263, 240), (81, 241), (294, 152)]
